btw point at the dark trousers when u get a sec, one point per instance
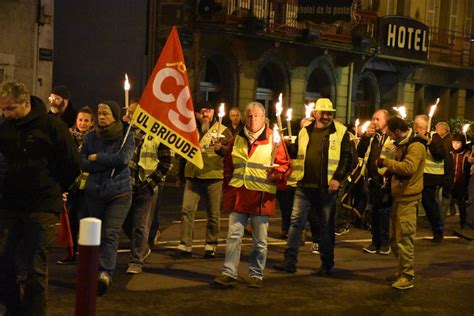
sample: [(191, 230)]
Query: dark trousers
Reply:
[(459, 197), (25, 237), (430, 204), (137, 223), (380, 224), (285, 201), (77, 210)]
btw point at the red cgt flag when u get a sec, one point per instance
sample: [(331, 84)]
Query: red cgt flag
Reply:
[(166, 109)]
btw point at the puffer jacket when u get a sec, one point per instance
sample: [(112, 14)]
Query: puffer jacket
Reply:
[(109, 157), (42, 161)]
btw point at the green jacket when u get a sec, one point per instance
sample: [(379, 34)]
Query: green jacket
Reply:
[(407, 169)]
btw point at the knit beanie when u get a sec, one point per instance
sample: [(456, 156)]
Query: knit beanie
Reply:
[(62, 91), (115, 108)]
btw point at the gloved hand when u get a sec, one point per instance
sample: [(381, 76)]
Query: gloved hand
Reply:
[(274, 175), (379, 162)]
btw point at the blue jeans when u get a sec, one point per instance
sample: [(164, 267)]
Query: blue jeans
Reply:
[(112, 214), (258, 254), (323, 204)]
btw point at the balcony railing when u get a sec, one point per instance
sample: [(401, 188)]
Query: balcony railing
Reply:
[(279, 18)]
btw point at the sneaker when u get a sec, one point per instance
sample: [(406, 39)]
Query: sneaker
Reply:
[(209, 251), (225, 281), (370, 249), (103, 283), (255, 282), (134, 269), (392, 277), (403, 284), (315, 248), (181, 254), (148, 253), (437, 238), (384, 250), (68, 260), (341, 231), (285, 266), (156, 239)]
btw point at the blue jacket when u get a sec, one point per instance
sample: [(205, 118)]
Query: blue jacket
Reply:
[(100, 184)]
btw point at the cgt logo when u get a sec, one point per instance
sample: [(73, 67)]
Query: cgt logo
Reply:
[(183, 113)]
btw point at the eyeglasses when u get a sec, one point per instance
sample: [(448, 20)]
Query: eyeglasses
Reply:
[(52, 99)]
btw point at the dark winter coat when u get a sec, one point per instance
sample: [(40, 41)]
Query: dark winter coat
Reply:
[(42, 161)]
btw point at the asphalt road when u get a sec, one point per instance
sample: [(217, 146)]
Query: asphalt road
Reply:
[(444, 282)]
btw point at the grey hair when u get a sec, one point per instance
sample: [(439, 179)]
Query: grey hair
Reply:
[(253, 105), (14, 89), (445, 125), (423, 119)]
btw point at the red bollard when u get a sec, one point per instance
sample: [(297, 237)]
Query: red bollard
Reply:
[(88, 269)]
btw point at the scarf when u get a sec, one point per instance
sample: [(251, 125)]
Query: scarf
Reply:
[(251, 136), (110, 132)]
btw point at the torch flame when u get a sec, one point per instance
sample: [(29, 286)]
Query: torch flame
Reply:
[(401, 110), (126, 84), (278, 105), (465, 128), (276, 134), (365, 126), (357, 123), (309, 109), (289, 114), (432, 110), (221, 110)]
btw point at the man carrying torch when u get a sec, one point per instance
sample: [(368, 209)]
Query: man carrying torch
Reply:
[(323, 161), (253, 167)]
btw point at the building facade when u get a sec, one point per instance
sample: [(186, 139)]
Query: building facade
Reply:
[(26, 44), (363, 55)]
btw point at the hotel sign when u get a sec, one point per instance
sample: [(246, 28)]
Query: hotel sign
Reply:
[(403, 37), (327, 11)]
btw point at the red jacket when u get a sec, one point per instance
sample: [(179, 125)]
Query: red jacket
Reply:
[(243, 200)]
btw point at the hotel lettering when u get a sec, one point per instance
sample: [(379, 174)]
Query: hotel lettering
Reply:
[(403, 37)]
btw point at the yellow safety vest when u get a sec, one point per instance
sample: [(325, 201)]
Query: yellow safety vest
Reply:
[(433, 166), (388, 151), (251, 171), (213, 163), (334, 153), (148, 160)]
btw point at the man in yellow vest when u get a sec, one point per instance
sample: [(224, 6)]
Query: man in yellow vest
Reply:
[(406, 187), (250, 184), (150, 163), (433, 175), (205, 182), (323, 161), (374, 144)]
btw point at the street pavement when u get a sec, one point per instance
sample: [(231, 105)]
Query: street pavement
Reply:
[(444, 283)]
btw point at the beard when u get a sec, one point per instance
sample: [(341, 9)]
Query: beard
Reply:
[(204, 127)]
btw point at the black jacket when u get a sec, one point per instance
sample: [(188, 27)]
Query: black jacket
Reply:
[(42, 161), (345, 163), (69, 115)]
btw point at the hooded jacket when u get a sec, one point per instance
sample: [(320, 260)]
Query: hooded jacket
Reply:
[(42, 161)]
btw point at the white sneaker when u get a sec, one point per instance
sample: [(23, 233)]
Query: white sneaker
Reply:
[(315, 248)]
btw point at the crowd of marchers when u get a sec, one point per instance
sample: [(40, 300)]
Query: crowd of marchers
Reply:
[(89, 163)]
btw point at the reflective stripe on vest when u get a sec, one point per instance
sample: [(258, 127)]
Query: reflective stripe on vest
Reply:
[(251, 171), (433, 166), (213, 163), (334, 154), (148, 160), (386, 152)]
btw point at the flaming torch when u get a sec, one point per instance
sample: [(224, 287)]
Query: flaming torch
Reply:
[(279, 109), (402, 111), (432, 111), (221, 114), (465, 128), (309, 109), (126, 88)]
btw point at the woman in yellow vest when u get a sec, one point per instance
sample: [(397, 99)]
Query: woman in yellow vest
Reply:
[(249, 192)]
